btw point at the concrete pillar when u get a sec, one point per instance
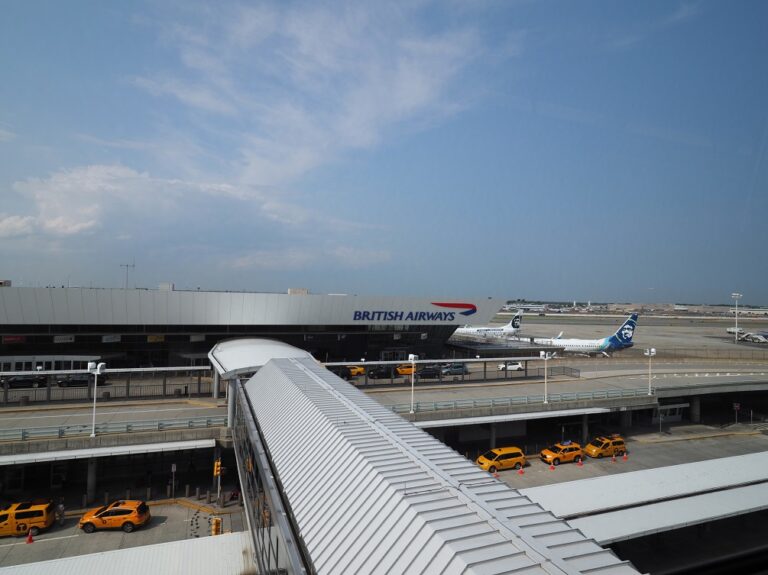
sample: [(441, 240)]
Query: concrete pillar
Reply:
[(695, 409), (626, 419), (216, 382), (584, 429), (90, 490), (231, 392), (493, 436)]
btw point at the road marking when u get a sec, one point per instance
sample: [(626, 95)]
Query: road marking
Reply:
[(41, 540)]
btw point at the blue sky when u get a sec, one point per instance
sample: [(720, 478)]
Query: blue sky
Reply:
[(603, 151)]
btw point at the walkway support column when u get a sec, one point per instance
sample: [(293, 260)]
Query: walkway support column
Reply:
[(90, 486), (231, 393), (216, 384), (584, 429), (493, 436), (626, 419), (695, 410)]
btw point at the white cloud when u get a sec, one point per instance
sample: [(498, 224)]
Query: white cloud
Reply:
[(14, 226), (6, 136), (307, 82), (77, 201)]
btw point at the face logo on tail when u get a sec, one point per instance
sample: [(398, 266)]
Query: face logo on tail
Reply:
[(627, 331), (516, 322)]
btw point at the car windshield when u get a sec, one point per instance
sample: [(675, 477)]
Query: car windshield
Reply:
[(100, 510), (490, 455), (596, 443), (555, 448)]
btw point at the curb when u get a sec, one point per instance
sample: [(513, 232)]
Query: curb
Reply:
[(697, 436)]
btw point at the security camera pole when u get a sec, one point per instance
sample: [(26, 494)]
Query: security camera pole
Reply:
[(95, 370), (546, 356), (412, 358), (650, 352)]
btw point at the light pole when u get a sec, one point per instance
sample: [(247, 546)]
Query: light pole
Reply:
[(736, 297), (412, 358), (546, 356), (650, 352), (95, 369)]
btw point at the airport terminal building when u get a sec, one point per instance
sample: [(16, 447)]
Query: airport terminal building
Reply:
[(59, 328)]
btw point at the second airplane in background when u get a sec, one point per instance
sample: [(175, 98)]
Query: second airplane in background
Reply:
[(502, 331), (622, 339)]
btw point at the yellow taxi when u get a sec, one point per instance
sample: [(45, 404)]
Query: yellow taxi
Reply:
[(561, 453), (25, 517), (501, 458), (404, 369), (355, 370), (606, 446), (124, 514)]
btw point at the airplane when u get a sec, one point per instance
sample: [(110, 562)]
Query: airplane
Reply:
[(622, 339), (507, 330)]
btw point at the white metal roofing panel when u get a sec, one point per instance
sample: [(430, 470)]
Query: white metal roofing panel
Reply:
[(598, 494), (66, 454), (656, 517), (227, 553), (249, 354), (369, 491)]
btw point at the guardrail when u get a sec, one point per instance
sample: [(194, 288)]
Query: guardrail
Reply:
[(112, 427), (603, 394)]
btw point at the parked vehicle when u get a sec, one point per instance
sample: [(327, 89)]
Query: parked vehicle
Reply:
[(380, 372), (428, 372), (25, 517), (125, 515), (355, 370), (456, 369), (510, 366), (404, 369), (81, 380), (341, 370), (606, 446), (562, 453), (502, 458), (25, 381)]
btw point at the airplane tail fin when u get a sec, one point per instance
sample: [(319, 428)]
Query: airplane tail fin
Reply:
[(516, 320), (624, 334)]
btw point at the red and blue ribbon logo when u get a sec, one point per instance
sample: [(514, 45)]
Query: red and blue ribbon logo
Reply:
[(469, 308)]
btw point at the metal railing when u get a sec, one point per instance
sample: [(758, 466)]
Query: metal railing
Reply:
[(75, 430), (597, 395)]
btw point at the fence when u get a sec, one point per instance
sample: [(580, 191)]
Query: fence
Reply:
[(482, 372), (129, 385), (115, 427), (598, 395)]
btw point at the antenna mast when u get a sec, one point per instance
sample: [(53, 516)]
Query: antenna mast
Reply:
[(126, 266)]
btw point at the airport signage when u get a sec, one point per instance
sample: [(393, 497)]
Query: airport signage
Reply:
[(63, 339), (14, 339), (421, 315), (736, 406)]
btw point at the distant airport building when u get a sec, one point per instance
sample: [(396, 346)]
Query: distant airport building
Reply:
[(52, 327)]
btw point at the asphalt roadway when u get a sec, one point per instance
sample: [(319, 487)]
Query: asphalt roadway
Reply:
[(170, 522)]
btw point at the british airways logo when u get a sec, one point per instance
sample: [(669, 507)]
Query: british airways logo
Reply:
[(388, 315)]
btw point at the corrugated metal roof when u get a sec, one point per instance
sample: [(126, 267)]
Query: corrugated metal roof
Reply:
[(67, 454), (372, 493), (599, 494), (229, 553), (658, 517)]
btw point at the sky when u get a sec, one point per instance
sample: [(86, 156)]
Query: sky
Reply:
[(612, 151)]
